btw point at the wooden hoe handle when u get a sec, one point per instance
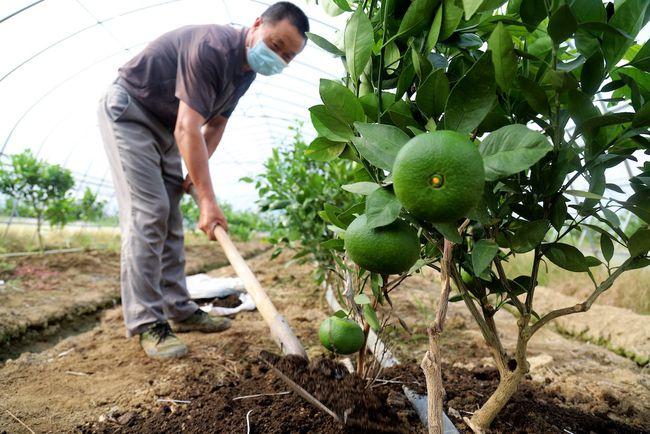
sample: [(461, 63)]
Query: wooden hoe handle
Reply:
[(280, 329)]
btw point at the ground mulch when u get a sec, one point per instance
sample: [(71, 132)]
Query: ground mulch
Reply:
[(220, 408), (533, 409)]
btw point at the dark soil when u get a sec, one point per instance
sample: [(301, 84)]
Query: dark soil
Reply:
[(215, 407), (533, 408), (229, 301)]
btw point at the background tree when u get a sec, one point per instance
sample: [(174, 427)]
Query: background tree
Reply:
[(89, 207), (41, 186), (297, 187)]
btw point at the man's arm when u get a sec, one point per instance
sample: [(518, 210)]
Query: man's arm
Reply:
[(213, 132), (193, 149)]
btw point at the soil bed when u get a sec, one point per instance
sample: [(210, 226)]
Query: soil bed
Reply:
[(223, 406), (533, 409)]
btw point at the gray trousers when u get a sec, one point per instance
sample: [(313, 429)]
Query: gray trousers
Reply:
[(147, 175)]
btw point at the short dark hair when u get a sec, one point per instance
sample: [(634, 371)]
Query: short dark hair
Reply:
[(285, 10)]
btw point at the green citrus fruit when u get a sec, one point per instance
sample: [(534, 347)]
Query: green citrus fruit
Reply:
[(341, 335), (390, 249), (439, 176)]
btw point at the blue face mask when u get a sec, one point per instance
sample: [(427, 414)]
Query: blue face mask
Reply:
[(263, 60)]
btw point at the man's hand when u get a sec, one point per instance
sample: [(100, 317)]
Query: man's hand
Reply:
[(211, 216), (187, 183)]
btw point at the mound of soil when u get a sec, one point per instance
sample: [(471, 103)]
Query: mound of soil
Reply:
[(229, 301), (533, 409), (235, 405)]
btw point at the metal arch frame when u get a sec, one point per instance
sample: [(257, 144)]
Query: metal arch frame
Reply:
[(84, 179), (55, 87), (114, 54), (114, 17), (19, 11)]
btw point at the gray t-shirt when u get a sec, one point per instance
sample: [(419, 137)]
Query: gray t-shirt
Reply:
[(201, 65)]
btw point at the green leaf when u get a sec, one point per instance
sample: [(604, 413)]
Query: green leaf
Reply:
[(534, 94), (343, 4), (588, 10), (482, 255), (611, 217), (532, 13), (361, 299), (358, 39), (370, 316), (629, 18), (364, 188), (332, 212), (333, 244), (471, 6), (434, 31), (417, 17), (329, 125), (452, 15), (562, 24), (511, 149), (559, 213), (471, 98), (433, 93), (348, 216), (600, 121), (323, 149), (606, 247), (592, 74), (340, 100), (529, 235), (639, 242), (449, 231), (380, 143), (382, 208), (642, 58), (324, 44), (566, 256), (503, 57), (585, 194)]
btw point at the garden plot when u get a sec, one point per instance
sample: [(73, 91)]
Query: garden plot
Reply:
[(98, 381)]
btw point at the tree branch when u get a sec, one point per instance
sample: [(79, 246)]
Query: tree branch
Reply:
[(533, 280), (504, 281), (585, 305)]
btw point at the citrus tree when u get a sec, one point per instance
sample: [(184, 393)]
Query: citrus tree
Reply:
[(44, 188), (297, 183), (476, 123)]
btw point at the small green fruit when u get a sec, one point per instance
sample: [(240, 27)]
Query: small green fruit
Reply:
[(341, 335)]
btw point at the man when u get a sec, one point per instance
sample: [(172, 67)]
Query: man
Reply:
[(173, 100)]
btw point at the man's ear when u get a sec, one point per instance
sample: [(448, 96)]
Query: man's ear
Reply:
[(257, 23)]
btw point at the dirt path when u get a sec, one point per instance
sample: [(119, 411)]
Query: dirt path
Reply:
[(100, 373), (49, 297)]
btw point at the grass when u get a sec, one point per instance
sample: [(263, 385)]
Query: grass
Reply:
[(631, 290), (22, 238)]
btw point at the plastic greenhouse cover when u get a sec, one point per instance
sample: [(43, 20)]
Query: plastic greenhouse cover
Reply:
[(59, 56)]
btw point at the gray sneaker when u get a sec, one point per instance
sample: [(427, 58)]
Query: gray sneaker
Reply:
[(158, 342), (200, 321)]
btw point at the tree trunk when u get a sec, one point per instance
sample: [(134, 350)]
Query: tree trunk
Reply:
[(38, 232), (433, 374), (508, 384)]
